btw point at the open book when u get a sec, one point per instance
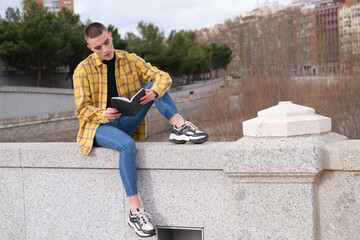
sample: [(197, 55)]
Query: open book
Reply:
[(128, 107)]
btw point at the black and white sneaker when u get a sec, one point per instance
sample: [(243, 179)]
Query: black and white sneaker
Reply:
[(140, 223), (188, 133)]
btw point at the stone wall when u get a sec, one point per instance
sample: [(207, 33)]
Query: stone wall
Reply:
[(248, 189), (18, 102), (29, 78), (60, 127), (284, 187), (338, 191)]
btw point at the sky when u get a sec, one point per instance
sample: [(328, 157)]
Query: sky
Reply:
[(166, 14)]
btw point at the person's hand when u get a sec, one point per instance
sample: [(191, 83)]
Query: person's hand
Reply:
[(150, 96), (112, 113)]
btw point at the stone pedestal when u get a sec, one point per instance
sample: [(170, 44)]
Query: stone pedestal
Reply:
[(286, 119), (278, 162)]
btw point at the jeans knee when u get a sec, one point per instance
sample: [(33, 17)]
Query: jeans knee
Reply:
[(128, 146)]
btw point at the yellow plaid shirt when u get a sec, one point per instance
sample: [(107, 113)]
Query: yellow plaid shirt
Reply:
[(90, 91)]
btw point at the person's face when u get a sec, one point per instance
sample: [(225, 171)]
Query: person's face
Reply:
[(102, 45)]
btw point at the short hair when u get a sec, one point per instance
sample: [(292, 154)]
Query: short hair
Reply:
[(94, 30)]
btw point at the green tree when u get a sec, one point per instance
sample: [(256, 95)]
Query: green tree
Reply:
[(149, 45), (133, 43), (184, 56), (194, 63), (117, 41), (152, 46), (180, 55), (13, 15), (40, 31), (12, 48), (178, 45), (41, 39), (29, 41), (220, 56), (73, 42)]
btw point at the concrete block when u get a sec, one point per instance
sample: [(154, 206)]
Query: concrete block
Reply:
[(12, 211), (292, 156), (67, 155), (166, 155), (61, 155), (27, 101), (187, 199), (210, 200), (339, 204), (343, 155), (73, 204), (286, 119), (10, 155), (272, 211)]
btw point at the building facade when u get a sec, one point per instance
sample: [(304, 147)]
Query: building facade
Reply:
[(349, 32), (327, 31), (306, 40), (57, 5), (315, 37)]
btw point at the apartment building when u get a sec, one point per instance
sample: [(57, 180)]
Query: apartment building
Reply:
[(349, 31), (296, 2), (306, 39), (327, 31), (316, 34), (57, 5)]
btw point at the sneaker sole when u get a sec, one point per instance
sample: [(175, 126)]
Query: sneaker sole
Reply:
[(198, 141), (139, 233), (183, 139), (177, 141)]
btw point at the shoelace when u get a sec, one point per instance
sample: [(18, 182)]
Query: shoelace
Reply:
[(143, 216), (191, 125)]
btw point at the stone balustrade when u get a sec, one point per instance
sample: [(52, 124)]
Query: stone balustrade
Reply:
[(303, 186)]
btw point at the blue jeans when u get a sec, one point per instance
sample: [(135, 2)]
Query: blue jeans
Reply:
[(116, 135)]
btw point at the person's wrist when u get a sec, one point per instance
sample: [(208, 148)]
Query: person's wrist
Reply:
[(156, 95)]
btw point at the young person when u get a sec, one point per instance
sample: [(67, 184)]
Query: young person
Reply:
[(108, 73)]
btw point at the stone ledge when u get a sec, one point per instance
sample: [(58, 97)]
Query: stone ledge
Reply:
[(17, 89), (32, 120), (149, 156), (258, 156), (343, 156), (282, 155)]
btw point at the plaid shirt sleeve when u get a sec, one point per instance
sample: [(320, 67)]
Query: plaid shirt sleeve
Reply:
[(90, 103), (162, 80), (85, 103)]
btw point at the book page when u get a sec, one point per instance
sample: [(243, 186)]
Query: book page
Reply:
[(125, 99), (121, 98), (136, 94)]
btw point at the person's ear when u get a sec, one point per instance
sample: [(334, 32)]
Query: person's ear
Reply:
[(111, 35), (89, 47)]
